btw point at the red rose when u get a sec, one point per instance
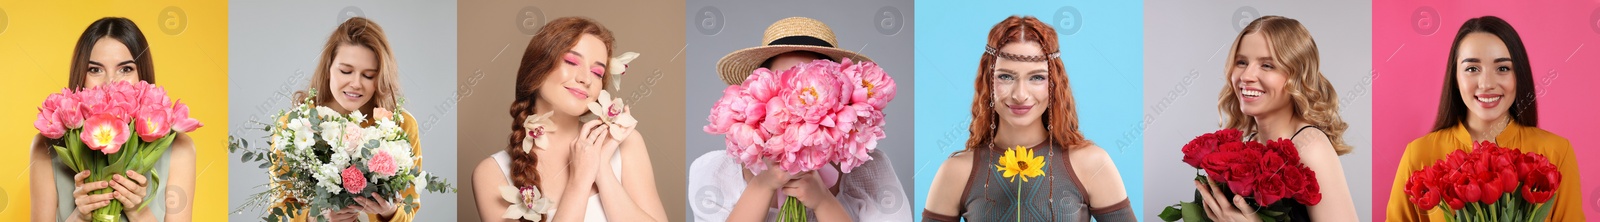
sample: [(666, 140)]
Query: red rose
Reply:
[(354, 180), (1195, 152)]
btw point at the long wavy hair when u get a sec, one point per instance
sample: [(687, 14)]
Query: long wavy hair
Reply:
[(1452, 111), (541, 56), (1312, 97), (1060, 118), (358, 31), (116, 28)]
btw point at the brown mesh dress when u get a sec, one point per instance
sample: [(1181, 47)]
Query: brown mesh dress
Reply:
[(1056, 196)]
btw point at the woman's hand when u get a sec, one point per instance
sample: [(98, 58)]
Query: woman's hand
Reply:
[(585, 161), (809, 188), (770, 179), (130, 189), (1222, 210), (86, 203), (350, 213), (377, 205)]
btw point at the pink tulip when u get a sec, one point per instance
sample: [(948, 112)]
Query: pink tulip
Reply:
[(152, 124), (179, 118), (70, 110), (48, 125), (105, 132)]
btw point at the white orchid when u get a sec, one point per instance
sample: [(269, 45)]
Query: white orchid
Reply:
[(615, 115), (526, 203), (538, 128), (619, 66)]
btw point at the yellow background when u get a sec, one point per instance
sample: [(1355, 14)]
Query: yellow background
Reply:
[(36, 47)]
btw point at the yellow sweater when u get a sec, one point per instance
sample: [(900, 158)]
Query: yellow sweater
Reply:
[(1438, 144), (400, 215)]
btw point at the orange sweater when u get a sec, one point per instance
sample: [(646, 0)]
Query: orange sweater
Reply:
[(1438, 144)]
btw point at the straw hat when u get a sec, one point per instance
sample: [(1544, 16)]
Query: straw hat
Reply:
[(786, 35)]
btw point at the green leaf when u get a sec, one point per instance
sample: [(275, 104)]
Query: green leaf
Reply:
[(1171, 214), (248, 156), (1193, 211)]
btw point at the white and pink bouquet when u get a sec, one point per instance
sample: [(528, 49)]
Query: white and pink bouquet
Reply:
[(323, 160), (111, 129), (804, 118)]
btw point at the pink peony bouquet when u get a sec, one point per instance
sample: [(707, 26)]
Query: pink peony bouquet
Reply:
[(806, 117), (111, 129), (323, 160)]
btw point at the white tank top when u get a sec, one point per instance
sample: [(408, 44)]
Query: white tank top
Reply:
[(594, 211)]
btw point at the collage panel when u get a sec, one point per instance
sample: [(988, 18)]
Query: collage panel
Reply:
[(1142, 110), (1268, 71), (764, 120), (338, 108), (1454, 74), (536, 76), (75, 72), (1053, 78)]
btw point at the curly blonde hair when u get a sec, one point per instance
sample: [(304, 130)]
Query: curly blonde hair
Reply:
[(1313, 97)]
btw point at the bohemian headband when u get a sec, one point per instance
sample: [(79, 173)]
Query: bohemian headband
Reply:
[(1023, 58)]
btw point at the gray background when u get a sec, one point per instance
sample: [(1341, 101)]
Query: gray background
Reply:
[(274, 47), (740, 25), (1185, 46)]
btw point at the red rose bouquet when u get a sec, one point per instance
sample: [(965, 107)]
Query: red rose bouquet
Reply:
[(1268, 175), (1490, 183)]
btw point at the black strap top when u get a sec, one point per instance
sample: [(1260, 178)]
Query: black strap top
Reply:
[(1056, 196)]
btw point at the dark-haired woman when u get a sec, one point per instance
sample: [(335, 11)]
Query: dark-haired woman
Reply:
[(112, 49), (1487, 96)]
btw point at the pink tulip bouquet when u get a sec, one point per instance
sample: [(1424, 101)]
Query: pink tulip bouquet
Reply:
[(111, 129), (323, 160), (804, 118)]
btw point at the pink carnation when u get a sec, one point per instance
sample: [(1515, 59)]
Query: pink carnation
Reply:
[(354, 181), (382, 163)]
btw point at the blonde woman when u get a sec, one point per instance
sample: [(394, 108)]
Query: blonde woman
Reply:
[(357, 73), (1275, 91)]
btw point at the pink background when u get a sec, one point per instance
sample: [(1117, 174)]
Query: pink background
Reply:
[(1409, 48)]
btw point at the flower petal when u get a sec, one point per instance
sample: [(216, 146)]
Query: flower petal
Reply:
[(510, 194)]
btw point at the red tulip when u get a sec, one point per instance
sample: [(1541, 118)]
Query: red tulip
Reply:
[(1540, 184)]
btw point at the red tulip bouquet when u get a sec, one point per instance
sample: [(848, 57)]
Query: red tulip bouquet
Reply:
[(1269, 176), (1490, 183), (111, 129)]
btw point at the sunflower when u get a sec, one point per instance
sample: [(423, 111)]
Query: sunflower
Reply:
[(1020, 162)]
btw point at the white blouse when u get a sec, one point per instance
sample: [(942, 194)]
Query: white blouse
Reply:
[(592, 213), (870, 192)]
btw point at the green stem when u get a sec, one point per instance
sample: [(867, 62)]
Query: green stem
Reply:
[(1019, 201)]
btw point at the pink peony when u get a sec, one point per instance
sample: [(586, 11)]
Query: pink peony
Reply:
[(48, 125), (354, 181), (872, 86), (382, 163), (105, 133), (152, 124), (180, 120)]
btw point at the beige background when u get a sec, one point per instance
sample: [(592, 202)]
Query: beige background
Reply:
[(491, 41)]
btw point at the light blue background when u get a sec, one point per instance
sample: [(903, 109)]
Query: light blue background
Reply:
[(1103, 57)]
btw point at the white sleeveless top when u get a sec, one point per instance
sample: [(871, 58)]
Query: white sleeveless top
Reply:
[(592, 213)]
